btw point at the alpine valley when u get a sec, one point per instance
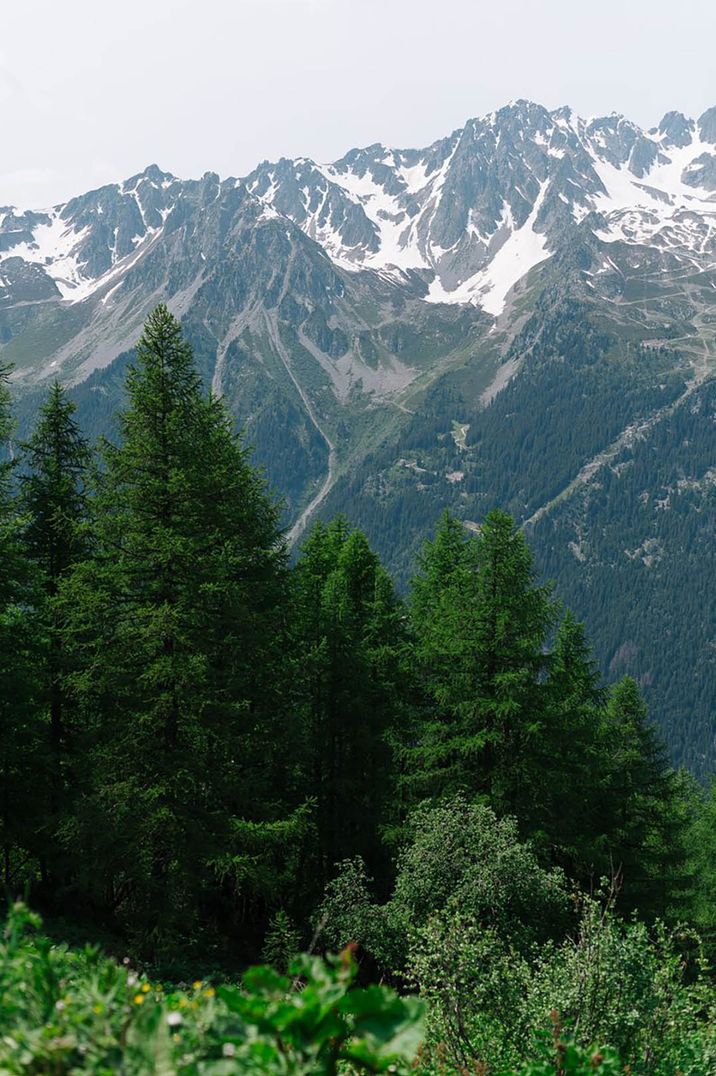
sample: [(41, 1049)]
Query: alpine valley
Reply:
[(521, 315)]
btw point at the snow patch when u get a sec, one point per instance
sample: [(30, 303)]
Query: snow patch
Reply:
[(523, 250)]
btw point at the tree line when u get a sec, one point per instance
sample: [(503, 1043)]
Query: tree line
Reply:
[(197, 728)]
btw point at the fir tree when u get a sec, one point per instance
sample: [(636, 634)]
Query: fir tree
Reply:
[(22, 763), (569, 757), (52, 494), (482, 650), (351, 638), (642, 821), (176, 624), (701, 847)]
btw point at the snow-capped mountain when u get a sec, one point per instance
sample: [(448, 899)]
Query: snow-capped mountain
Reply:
[(466, 218), (473, 213), (66, 251), (522, 314)]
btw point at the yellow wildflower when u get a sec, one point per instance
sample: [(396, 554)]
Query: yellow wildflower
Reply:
[(197, 985), (209, 992), (139, 999), (146, 987)]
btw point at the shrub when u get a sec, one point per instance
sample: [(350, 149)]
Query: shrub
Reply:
[(461, 860), (65, 1012)]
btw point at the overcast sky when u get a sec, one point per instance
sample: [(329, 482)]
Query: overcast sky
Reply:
[(92, 91)]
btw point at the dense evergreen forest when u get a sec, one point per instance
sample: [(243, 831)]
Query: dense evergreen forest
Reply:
[(212, 753)]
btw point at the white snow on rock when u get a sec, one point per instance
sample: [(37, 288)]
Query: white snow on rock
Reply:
[(523, 249), (56, 245), (383, 209), (657, 207)]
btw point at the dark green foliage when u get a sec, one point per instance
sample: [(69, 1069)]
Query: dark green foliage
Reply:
[(458, 860), (512, 715), (640, 805), (351, 644), (174, 625), (634, 553), (69, 1012), (649, 997), (52, 495), (22, 760), (193, 734), (570, 754), (630, 549), (701, 851), (481, 623)]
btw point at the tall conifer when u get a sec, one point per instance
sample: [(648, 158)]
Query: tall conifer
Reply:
[(176, 623), (481, 640), (21, 757), (643, 824), (53, 498), (352, 644)]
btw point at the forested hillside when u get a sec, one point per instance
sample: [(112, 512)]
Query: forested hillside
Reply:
[(517, 316), (213, 754)]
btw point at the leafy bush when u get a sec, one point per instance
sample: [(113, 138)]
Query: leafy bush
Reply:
[(461, 860), (647, 995), (66, 1012)]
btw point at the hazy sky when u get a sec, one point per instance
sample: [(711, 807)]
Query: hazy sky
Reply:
[(92, 91)]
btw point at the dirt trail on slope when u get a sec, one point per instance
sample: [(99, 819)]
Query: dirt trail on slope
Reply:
[(300, 524)]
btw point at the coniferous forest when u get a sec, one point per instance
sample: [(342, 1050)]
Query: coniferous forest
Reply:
[(218, 753)]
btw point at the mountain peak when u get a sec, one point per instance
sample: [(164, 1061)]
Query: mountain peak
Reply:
[(151, 173), (707, 126), (676, 129)]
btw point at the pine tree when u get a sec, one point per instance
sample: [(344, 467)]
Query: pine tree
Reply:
[(701, 847), (351, 638), (52, 495), (176, 623), (569, 757), (21, 759), (482, 651), (643, 823), (438, 563), (431, 761)]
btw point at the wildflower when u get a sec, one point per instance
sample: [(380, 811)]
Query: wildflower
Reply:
[(59, 1005), (146, 987), (139, 999), (125, 960), (97, 1009), (197, 985), (174, 1019), (209, 992), (228, 1049)]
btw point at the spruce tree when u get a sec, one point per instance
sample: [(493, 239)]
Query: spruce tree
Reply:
[(21, 758), (482, 651), (176, 623), (569, 757), (643, 824), (351, 638), (53, 499), (701, 849), (431, 763)]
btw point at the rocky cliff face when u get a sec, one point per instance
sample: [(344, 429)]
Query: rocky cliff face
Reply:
[(521, 313)]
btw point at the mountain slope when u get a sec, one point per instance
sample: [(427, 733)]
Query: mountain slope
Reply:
[(522, 314)]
